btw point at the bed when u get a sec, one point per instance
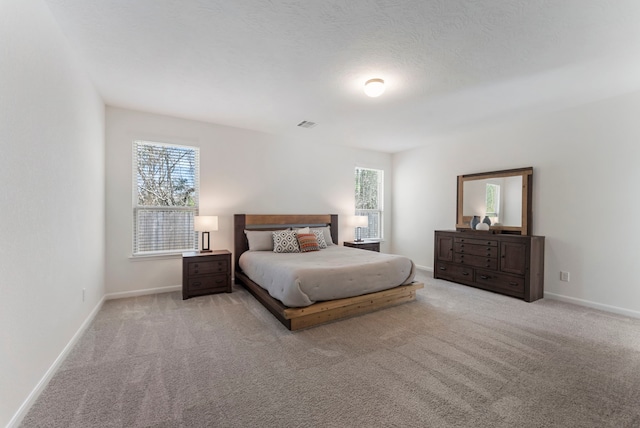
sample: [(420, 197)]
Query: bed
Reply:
[(321, 297)]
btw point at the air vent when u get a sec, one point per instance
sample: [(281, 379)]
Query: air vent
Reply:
[(307, 124)]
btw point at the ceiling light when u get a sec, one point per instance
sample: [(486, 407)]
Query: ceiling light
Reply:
[(374, 87)]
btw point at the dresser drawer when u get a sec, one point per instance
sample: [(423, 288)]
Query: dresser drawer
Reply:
[(208, 283), (206, 267), (476, 241), (476, 250), (505, 283), (454, 272), (477, 261)]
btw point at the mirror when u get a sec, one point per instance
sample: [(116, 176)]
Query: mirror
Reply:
[(501, 198)]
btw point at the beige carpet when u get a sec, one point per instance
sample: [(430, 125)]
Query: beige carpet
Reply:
[(457, 357)]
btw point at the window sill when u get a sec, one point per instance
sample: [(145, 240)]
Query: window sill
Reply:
[(160, 256)]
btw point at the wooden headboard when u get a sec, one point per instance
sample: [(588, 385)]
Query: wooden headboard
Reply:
[(244, 222)]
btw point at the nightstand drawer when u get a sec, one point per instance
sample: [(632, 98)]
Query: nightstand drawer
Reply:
[(209, 283), (213, 266)]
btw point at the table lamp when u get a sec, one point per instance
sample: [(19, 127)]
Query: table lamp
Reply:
[(204, 224)]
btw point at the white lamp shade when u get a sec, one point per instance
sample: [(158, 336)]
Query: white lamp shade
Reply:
[(374, 87), (205, 223), (361, 221)]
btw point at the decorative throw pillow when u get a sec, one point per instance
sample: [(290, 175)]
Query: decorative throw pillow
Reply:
[(320, 238), (285, 241), (302, 230), (308, 242)]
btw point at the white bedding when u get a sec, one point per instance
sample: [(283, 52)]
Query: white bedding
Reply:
[(301, 279)]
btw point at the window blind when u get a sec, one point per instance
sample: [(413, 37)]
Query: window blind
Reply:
[(165, 197), (368, 197)]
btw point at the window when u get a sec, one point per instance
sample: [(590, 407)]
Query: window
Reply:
[(165, 197), (368, 186), (493, 200)]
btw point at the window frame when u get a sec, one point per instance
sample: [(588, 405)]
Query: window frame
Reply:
[(369, 212), (136, 208)]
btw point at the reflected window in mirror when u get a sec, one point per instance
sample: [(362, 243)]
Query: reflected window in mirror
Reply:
[(492, 199)]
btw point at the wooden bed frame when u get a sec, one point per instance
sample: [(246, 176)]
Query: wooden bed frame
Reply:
[(321, 312)]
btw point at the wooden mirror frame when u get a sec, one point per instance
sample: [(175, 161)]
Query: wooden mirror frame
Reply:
[(462, 221)]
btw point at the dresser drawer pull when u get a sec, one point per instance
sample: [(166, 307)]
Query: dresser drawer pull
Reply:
[(515, 284), (220, 281), (196, 284), (196, 271), (465, 273), (443, 268), (485, 277)]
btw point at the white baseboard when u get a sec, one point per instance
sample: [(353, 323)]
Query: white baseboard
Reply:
[(35, 393), (594, 305), (424, 268), (146, 291)]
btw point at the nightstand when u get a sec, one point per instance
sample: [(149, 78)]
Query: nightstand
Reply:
[(364, 245), (206, 273)]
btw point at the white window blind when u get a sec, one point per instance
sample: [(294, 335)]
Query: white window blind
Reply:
[(165, 197), (368, 192)]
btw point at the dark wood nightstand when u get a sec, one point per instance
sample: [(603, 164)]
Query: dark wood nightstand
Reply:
[(364, 245), (206, 273)]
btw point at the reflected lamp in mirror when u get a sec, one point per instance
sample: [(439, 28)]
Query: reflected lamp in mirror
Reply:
[(205, 224), (360, 221)]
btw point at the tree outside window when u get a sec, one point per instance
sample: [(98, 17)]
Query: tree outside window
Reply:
[(368, 197)]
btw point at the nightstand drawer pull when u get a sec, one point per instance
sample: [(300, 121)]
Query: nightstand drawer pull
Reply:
[(485, 277)]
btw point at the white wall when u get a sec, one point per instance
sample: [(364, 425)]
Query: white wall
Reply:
[(51, 199), (585, 200), (241, 171)]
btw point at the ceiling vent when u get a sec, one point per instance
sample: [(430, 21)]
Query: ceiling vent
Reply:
[(307, 124)]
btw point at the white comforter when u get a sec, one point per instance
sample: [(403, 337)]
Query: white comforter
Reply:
[(301, 279)]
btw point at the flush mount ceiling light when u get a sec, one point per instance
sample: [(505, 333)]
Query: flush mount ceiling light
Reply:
[(374, 87)]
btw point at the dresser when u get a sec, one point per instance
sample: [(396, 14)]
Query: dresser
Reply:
[(206, 273), (503, 263)]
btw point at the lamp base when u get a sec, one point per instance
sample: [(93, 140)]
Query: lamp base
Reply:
[(358, 240), (206, 251)]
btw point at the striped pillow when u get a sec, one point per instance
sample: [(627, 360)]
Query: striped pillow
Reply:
[(308, 242)]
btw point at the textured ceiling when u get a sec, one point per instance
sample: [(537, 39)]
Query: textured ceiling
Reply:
[(266, 65)]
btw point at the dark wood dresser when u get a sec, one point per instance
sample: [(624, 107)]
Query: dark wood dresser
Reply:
[(507, 264), (206, 273), (363, 245)]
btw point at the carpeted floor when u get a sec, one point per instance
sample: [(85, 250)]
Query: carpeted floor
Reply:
[(457, 357)]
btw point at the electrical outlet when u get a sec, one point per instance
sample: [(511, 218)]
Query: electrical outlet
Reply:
[(84, 292), (564, 276)]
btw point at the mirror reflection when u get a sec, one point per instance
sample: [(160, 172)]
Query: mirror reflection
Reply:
[(499, 199)]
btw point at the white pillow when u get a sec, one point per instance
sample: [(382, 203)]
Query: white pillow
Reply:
[(285, 241), (303, 230), (326, 230), (259, 240)]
